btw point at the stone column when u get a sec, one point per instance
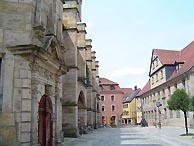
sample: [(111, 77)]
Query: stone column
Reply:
[(89, 107), (70, 79), (34, 106), (58, 116)]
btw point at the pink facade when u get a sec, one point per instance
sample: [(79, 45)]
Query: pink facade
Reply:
[(111, 102)]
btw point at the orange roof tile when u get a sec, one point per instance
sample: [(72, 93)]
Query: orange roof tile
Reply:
[(167, 56), (146, 88), (186, 56), (126, 90)]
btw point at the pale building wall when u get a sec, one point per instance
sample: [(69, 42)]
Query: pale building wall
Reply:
[(162, 93)]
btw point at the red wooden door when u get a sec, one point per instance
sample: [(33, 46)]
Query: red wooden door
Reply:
[(45, 124)]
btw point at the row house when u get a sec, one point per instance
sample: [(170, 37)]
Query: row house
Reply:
[(129, 115), (49, 74), (169, 70), (111, 102)]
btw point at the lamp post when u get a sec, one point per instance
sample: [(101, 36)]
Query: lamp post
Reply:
[(155, 116), (158, 104)]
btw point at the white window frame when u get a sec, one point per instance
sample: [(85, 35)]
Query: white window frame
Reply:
[(114, 107), (104, 108), (101, 98), (111, 97)]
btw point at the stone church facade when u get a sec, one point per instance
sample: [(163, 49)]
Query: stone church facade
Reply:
[(49, 73)]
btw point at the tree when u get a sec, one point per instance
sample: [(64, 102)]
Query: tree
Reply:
[(179, 100)]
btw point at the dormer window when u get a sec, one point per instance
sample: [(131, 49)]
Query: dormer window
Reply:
[(112, 87), (177, 67)]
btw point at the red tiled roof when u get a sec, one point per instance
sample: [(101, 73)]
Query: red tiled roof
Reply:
[(104, 81), (167, 56), (146, 88), (186, 56), (126, 90)]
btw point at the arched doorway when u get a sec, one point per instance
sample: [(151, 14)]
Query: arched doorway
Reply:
[(45, 123)]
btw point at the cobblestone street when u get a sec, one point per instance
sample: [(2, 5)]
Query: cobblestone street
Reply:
[(133, 136)]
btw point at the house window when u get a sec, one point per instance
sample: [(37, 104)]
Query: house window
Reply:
[(169, 92), (156, 62), (152, 80), (184, 86), (113, 107), (112, 98), (165, 113), (171, 113), (178, 114), (103, 119), (102, 98), (156, 77), (175, 86), (112, 87), (162, 75), (127, 113), (103, 108), (153, 65)]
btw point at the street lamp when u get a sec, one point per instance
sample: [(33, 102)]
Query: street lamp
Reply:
[(158, 104)]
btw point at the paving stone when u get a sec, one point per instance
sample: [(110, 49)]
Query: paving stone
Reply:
[(133, 136)]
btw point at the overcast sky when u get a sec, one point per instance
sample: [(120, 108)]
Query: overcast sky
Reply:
[(125, 32)]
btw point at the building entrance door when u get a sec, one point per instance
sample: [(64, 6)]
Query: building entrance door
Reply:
[(45, 123)]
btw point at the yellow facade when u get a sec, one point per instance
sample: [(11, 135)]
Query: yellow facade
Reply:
[(129, 112)]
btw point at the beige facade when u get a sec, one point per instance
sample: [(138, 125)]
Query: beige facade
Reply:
[(167, 73), (49, 74)]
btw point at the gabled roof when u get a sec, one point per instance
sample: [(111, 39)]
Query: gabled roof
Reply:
[(167, 56), (104, 81), (129, 96), (145, 89), (185, 56), (126, 90)]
